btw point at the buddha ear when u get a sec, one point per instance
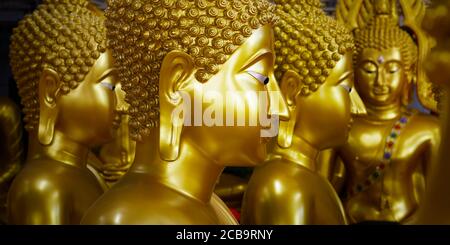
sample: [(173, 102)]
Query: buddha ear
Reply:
[(290, 88), (175, 77), (49, 84)]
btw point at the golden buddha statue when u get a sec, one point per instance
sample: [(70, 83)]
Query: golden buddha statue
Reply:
[(66, 82), (314, 66), (190, 54), (357, 14), (11, 149), (115, 158), (436, 201), (389, 151)]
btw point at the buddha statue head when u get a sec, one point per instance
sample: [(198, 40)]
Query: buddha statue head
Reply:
[(385, 62), (64, 73), (314, 67), (207, 55)]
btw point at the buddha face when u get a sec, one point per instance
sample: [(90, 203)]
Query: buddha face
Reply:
[(380, 76), (86, 114), (243, 81), (324, 116)]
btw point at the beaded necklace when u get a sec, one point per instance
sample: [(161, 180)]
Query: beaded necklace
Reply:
[(386, 160)]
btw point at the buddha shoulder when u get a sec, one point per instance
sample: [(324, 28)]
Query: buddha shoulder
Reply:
[(289, 187), (46, 175), (138, 199), (423, 126), (281, 173)]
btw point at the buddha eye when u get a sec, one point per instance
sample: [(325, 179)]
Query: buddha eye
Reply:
[(108, 85), (393, 67), (346, 87), (369, 67), (260, 77)]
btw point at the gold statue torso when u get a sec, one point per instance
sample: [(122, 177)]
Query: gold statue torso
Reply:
[(141, 191), (395, 195), (48, 189), (292, 191)]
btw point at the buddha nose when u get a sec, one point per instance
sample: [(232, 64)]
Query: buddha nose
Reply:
[(278, 105), (121, 105), (379, 80)]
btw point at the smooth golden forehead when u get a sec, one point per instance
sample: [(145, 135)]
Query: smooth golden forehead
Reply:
[(142, 32), (308, 42)]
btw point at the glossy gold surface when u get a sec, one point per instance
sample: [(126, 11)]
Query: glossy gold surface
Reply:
[(230, 188), (389, 186), (11, 149), (434, 209), (358, 14), (177, 165), (332, 168), (69, 109), (115, 157), (287, 189)]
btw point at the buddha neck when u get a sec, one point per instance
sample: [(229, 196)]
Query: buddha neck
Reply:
[(383, 113), (300, 152), (65, 150), (193, 173)]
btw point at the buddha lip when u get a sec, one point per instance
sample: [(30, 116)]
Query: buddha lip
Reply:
[(380, 90)]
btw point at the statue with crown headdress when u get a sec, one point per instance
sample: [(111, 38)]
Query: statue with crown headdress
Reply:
[(390, 151)]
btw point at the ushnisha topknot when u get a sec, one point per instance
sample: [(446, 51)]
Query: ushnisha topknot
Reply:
[(142, 32), (63, 35), (308, 42), (383, 33)]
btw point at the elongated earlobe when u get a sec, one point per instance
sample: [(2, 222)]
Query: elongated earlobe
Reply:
[(290, 85), (286, 132), (48, 109), (176, 72)]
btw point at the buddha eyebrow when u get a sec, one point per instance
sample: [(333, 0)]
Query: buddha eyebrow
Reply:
[(256, 56), (106, 73)]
